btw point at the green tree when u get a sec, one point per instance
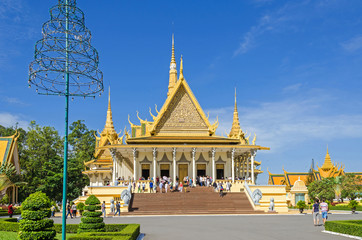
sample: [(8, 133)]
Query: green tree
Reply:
[(351, 186), (82, 143), (41, 162), (322, 189)]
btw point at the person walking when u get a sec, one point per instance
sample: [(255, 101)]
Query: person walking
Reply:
[(118, 209), (69, 212), (104, 208), (316, 213), (228, 185), (10, 210), (324, 210)]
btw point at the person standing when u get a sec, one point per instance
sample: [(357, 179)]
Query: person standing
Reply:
[(221, 187), (316, 213), (52, 209), (104, 208), (161, 186), (166, 186), (143, 187), (324, 210), (151, 186), (10, 210), (118, 209)]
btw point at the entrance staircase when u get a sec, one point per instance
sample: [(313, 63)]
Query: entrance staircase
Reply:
[(198, 200)]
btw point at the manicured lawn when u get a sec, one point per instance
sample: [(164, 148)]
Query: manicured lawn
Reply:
[(9, 235), (14, 235)]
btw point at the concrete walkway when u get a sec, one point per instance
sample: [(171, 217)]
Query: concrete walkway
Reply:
[(225, 227)]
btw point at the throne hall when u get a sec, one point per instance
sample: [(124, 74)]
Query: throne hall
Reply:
[(180, 141)]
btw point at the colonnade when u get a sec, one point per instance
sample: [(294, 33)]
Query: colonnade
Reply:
[(236, 163)]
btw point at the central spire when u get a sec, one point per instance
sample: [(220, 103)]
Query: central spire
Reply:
[(173, 71), (109, 128), (235, 128)]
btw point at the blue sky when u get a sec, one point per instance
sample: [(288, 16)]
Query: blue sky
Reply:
[(297, 67)]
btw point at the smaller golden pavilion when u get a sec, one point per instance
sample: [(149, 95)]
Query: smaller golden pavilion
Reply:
[(328, 169), (9, 153)]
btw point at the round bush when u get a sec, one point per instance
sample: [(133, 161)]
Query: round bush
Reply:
[(92, 200), (91, 220), (93, 207), (33, 225)]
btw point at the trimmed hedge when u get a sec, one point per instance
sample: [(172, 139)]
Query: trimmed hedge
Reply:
[(100, 236), (121, 231), (9, 225), (351, 227)]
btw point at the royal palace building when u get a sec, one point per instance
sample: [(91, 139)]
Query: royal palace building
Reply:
[(180, 141)]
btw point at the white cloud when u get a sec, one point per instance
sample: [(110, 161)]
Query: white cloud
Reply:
[(292, 88), (353, 44), (10, 120), (13, 100), (292, 121)]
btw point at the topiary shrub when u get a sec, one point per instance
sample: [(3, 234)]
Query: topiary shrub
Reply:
[(34, 225), (301, 205), (80, 207), (91, 220)]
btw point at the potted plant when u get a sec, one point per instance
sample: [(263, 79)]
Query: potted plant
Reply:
[(301, 205), (353, 205)]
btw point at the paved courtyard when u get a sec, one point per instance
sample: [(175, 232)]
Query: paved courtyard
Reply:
[(221, 227)]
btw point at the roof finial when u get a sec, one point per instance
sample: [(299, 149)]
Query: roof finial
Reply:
[(173, 60), (181, 69), (173, 72), (109, 98), (235, 108)]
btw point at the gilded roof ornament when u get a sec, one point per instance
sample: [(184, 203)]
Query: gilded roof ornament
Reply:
[(141, 120), (181, 70), (254, 139), (132, 125), (156, 109), (153, 117)]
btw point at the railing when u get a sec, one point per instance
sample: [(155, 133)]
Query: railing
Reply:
[(249, 194)]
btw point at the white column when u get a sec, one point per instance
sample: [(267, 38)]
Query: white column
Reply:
[(154, 151), (232, 165), (113, 154), (213, 151), (174, 165), (134, 164), (193, 167), (247, 167), (253, 153)]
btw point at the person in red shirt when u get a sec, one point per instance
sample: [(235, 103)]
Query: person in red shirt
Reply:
[(10, 210)]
